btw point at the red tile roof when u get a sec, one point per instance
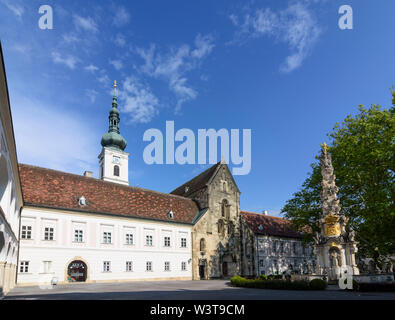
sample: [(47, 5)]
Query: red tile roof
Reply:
[(272, 226), (55, 189), (197, 182)]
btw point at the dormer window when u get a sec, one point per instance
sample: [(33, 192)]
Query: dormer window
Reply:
[(170, 215), (82, 201), (260, 227), (186, 189)]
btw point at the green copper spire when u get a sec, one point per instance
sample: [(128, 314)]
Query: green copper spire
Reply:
[(112, 138)]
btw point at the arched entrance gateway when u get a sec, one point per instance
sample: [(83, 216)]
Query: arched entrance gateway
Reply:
[(77, 271)]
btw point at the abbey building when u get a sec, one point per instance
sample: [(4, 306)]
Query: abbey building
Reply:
[(77, 228)]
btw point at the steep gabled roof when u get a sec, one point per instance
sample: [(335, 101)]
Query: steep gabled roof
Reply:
[(197, 182), (269, 225), (55, 189)]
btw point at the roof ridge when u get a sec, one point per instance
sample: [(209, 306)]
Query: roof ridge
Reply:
[(263, 215), (102, 181), (196, 177)]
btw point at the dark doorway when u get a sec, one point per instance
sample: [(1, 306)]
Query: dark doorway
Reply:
[(201, 272), (225, 269), (77, 271)]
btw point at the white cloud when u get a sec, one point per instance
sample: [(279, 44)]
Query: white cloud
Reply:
[(104, 79), (22, 48), (173, 66), (204, 45), (91, 68), (91, 94), (69, 61), (119, 40), (117, 64), (15, 8), (121, 16), (296, 26), (69, 145), (87, 24), (137, 101), (70, 38)]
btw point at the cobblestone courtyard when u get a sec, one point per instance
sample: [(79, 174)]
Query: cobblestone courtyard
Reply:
[(182, 290)]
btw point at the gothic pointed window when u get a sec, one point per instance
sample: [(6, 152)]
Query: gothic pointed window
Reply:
[(116, 171)]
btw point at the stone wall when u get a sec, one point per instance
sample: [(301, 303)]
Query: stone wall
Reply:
[(220, 229)]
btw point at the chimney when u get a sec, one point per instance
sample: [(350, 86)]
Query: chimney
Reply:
[(88, 174), (264, 212)]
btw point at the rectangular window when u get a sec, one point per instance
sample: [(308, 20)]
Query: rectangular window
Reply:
[(78, 235), (148, 266), (183, 266), (183, 242), (106, 266), (48, 233), (167, 241), (167, 266), (129, 266), (148, 240), (261, 263), (47, 266), (106, 237), (26, 232), (129, 238), (24, 267)]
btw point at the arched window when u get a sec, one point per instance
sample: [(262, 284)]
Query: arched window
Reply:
[(116, 171), (224, 186), (202, 244), (225, 209)]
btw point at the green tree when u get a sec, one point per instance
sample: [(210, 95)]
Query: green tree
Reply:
[(363, 156)]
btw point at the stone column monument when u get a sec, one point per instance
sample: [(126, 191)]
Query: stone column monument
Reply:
[(334, 245)]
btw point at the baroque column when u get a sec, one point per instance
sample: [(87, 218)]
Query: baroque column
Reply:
[(335, 242)]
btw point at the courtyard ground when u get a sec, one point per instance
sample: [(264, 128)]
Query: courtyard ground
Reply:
[(182, 290)]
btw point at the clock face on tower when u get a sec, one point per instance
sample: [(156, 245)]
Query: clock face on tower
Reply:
[(116, 160)]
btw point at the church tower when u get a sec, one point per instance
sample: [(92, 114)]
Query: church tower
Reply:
[(113, 160)]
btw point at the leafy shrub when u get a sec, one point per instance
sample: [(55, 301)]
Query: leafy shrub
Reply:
[(317, 284), (273, 284), (263, 277), (355, 285)]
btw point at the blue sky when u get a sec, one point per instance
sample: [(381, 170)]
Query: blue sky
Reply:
[(283, 69)]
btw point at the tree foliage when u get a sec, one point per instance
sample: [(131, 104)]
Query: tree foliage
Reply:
[(363, 156)]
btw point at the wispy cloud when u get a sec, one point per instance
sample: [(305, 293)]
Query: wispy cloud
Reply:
[(138, 101), (296, 26), (174, 66), (69, 60), (121, 16), (120, 40), (103, 79), (91, 68), (117, 64), (91, 94), (70, 38), (14, 7), (86, 24)]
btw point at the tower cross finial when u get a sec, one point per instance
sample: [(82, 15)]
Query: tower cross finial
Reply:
[(115, 87)]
